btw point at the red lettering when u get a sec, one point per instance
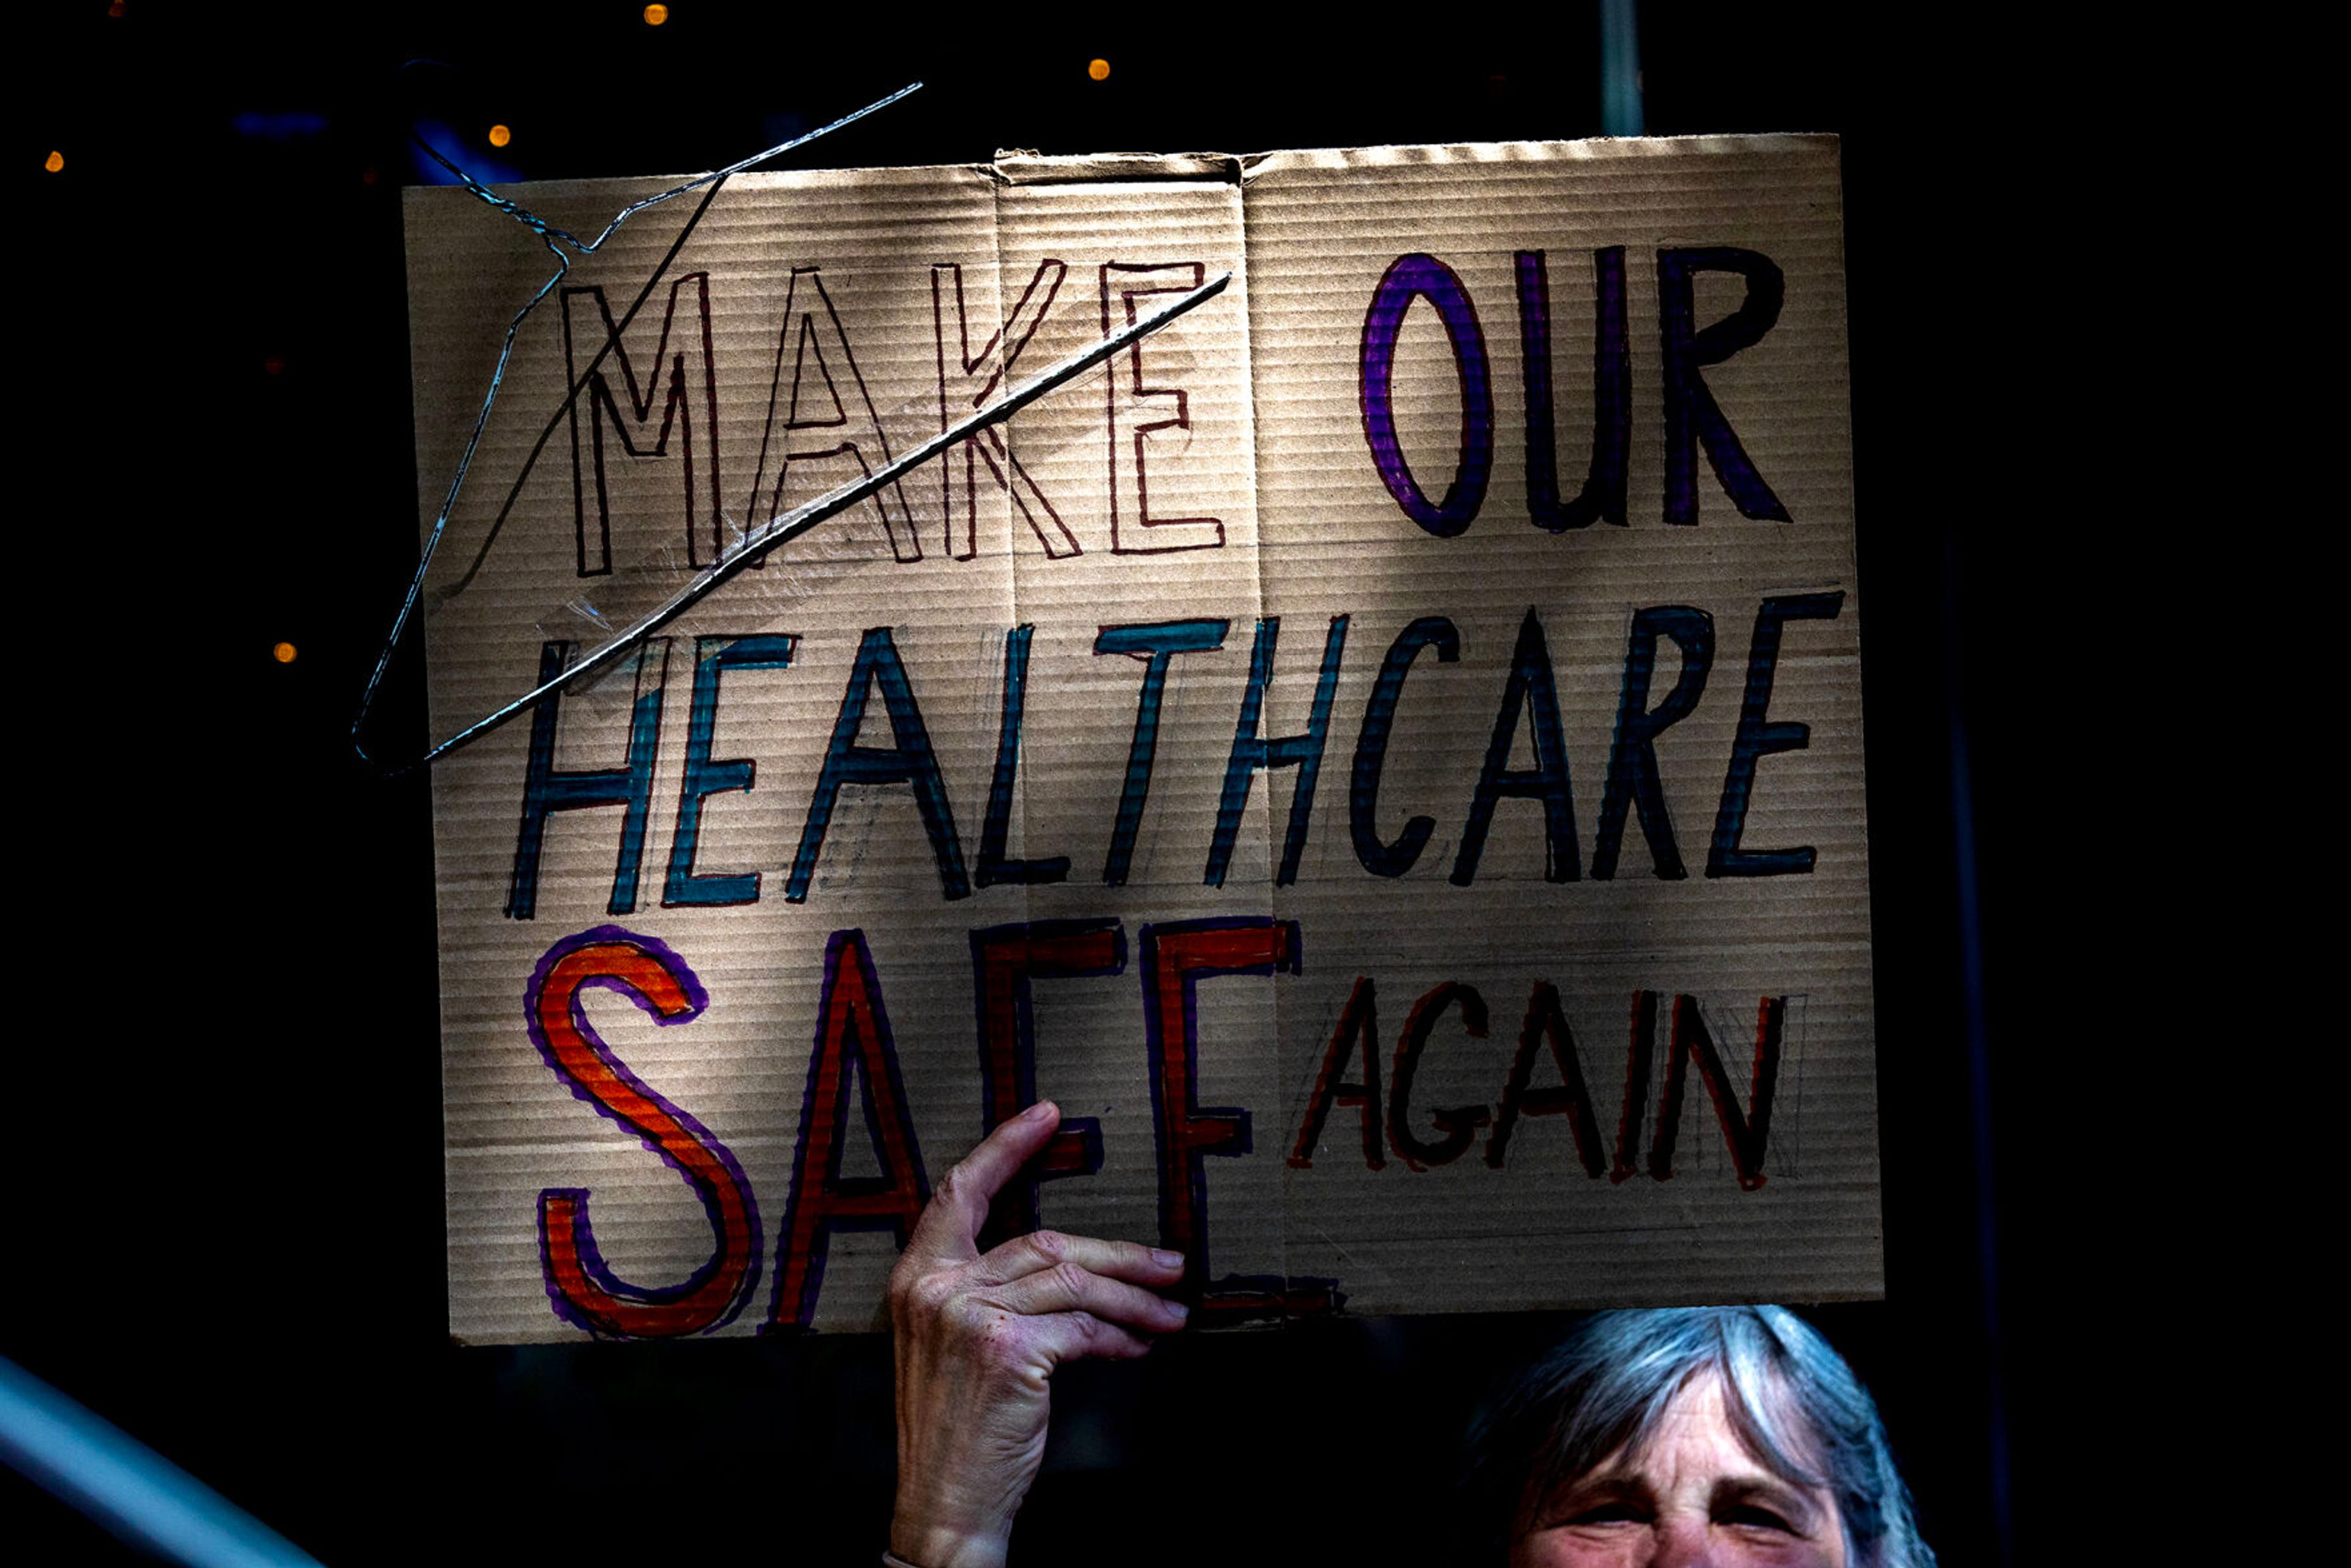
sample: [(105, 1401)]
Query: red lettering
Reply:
[(824, 419), (1138, 411), (853, 1033), (1004, 960), (1745, 1132), (1359, 1023), (964, 389), (669, 384), (583, 1288), (1546, 1022), (1176, 959), (1459, 1123), (1637, 1055)]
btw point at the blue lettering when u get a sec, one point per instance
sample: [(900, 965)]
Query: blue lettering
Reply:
[(705, 778), (1252, 752), (994, 867), (1155, 643), (1757, 740), (1372, 749), (1633, 776), (1531, 688), (545, 791), (911, 761)]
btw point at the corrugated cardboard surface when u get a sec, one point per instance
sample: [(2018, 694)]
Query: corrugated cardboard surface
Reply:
[(1218, 473)]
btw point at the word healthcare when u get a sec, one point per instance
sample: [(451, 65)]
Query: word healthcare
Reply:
[(1372, 752), (1529, 705)]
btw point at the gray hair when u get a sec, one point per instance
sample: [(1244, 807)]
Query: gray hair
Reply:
[(1792, 1400)]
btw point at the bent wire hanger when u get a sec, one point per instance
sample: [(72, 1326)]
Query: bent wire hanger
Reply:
[(801, 519), (777, 530), (555, 240)]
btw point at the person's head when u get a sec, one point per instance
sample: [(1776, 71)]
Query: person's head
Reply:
[(1722, 1435)]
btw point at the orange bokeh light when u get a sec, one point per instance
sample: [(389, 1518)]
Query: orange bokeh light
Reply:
[(500, 136), (54, 162), (1098, 69), (283, 653), (656, 15)]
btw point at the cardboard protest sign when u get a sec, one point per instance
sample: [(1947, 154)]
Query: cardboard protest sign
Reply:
[(1384, 753)]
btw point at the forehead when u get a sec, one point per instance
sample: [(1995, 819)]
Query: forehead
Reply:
[(1708, 1421)]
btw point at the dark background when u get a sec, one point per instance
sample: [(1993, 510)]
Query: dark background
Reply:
[(224, 1135)]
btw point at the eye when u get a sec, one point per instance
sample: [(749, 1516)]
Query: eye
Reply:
[(1755, 1516)]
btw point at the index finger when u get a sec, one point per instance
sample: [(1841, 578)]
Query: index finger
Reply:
[(949, 1228)]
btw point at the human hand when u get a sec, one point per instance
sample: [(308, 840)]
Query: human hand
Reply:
[(976, 1336)]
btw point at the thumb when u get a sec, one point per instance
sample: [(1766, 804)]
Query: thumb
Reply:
[(949, 1228)]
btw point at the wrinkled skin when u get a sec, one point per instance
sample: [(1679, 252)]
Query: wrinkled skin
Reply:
[(1694, 1497), (979, 1336)]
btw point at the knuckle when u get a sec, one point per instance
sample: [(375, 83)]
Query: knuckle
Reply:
[(932, 1295), (966, 1316), (1070, 1280), (1051, 1246)]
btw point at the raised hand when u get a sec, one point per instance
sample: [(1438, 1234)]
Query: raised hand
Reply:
[(978, 1335)]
